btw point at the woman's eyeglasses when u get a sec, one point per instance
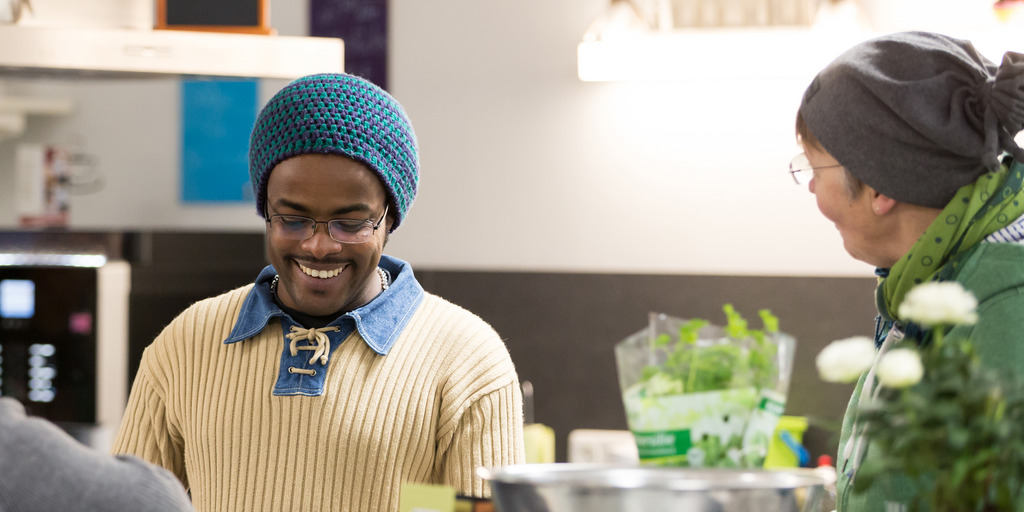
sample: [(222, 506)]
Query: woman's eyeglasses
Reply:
[(802, 171)]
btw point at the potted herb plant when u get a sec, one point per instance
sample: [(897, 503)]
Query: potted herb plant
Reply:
[(699, 395)]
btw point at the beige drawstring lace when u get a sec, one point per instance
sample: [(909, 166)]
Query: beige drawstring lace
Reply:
[(321, 345)]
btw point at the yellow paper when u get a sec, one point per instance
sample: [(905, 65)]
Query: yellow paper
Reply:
[(426, 498), (539, 441)]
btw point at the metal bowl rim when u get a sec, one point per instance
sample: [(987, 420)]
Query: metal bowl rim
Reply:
[(591, 476)]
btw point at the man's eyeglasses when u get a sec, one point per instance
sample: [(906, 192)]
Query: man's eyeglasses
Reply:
[(346, 231), (802, 171)]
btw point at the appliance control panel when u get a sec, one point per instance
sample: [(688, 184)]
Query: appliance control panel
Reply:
[(64, 340), (48, 346)]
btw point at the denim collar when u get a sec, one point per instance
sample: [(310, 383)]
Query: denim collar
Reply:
[(379, 322)]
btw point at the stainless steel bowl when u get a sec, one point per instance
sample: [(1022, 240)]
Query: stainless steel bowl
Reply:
[(570, 487)]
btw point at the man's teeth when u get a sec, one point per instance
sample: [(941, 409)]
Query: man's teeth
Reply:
[(322, 274)]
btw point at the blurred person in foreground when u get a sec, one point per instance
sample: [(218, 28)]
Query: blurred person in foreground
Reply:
[(909, 149), (44, 469), (334, 378)]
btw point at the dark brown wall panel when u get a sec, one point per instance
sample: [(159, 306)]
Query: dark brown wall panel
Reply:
[(561, 329)]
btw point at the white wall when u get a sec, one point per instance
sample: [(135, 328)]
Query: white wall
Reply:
[(524, 167), (541, 170)]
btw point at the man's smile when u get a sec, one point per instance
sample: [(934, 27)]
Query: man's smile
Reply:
[(322, 274)]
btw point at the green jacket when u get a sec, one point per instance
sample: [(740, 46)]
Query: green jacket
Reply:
[(994, 272)]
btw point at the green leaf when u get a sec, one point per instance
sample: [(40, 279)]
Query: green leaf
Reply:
[(735, 325), (662, 340), (689, 332), (770, 321)]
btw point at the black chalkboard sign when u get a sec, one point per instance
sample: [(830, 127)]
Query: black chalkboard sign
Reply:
[(363, 25), (221, 15)]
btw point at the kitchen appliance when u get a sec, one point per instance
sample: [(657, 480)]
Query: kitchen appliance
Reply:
[(64, 340), (567, 487)]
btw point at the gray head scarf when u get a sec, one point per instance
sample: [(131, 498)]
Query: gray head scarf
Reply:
[(917, 115)]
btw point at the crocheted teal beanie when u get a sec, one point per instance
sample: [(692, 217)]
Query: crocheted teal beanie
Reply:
[(337, 114)]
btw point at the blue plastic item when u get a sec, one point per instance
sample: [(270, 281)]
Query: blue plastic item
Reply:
[(801, 453)]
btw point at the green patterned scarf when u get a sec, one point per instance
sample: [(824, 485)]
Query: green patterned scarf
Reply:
[(991, 203)]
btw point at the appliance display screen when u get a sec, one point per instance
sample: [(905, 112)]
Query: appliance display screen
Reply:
[(17, 298), (48, 340)]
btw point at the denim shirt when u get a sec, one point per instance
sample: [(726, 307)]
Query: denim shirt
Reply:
[(378, 322)]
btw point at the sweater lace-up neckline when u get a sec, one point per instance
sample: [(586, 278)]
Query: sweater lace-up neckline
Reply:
[(320, 345)]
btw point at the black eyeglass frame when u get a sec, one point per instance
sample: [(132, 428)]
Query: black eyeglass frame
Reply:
[(345, 223)]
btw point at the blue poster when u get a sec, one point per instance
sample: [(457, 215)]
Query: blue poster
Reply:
[(216, 118)]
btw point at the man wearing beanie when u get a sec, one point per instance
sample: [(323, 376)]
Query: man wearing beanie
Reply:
[(334, 378), (909, 149)]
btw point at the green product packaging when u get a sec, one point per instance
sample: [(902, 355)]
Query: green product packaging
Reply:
[(697, 395)]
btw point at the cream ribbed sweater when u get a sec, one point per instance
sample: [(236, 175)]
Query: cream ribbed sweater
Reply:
[(443, 402)]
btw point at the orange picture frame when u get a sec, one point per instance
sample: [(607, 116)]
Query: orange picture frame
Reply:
[(262, 25)]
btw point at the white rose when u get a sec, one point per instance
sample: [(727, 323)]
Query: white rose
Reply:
[(899, 368), (935, 303), (844, 360)]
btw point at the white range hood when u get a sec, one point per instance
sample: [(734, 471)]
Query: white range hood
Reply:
[(31, 50)]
